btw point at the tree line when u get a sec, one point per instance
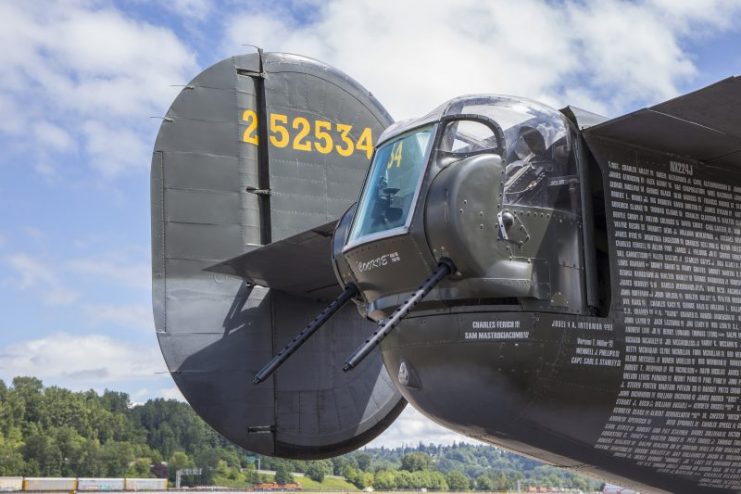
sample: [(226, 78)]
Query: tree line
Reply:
[(51, 431)]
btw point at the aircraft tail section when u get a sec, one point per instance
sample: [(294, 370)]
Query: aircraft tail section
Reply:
[(254, 163)]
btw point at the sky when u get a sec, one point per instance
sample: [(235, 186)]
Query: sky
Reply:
[(84, 84)]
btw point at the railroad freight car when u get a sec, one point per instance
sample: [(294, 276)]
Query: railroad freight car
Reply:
[(145, 484), (71, 484), (11, 484), (59, 484), (86, 484)]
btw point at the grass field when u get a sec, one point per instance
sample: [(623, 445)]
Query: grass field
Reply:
[(328, 484)]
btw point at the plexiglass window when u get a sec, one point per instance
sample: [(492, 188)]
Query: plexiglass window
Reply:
[(540, 162), (541, 170), (390, 191), (468, 136), (539, 143)]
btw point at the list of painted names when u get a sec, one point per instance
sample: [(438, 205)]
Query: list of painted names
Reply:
[(678, 252)]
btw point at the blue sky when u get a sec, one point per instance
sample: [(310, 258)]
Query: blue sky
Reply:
[(82, 84)]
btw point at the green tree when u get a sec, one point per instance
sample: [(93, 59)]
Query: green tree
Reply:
[(90, 462), (457, 481), (29, 389), (283, 475), (364, 461), (140, 468), (221, 468), (340, 462), (404, 480), (178, 461), (414, 462), (317, 470), (42, 451), (11, 458), (54, 431), (116, 457), (353, 475), (428, 479), (503, 482), (484, 483), (384, 480), (438, 482), (251, 475), (208, 458), (115, 402)]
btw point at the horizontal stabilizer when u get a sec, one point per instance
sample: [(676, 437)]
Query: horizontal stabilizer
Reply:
[(704, 125), (300, 265)]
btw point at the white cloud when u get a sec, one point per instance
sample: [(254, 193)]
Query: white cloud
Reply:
[(83, 70), (48, 171), (132, 275), (414, 55), (91, 60), (80, 361), (172, 393), (33, 273), (34, 233), (112, 151), (11, 122), (126, 316), (141, 395), (692, 15), (582, 98), (53, 136), (630, 47), (193, 9), (412, 428), (50, 139)]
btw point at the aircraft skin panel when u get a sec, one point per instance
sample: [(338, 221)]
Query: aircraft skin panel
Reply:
[(714, 106), (703, 125), (654, 130), (206, 172)]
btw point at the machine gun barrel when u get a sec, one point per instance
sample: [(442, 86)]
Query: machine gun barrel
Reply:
[(445, 268), (305, 334)]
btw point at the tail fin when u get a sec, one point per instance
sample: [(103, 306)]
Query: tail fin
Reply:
[(255, 150)]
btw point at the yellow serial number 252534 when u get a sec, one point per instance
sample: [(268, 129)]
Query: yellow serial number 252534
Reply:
[(296, 131)]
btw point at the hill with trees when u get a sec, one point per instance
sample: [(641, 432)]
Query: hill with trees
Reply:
[(51, 431)]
